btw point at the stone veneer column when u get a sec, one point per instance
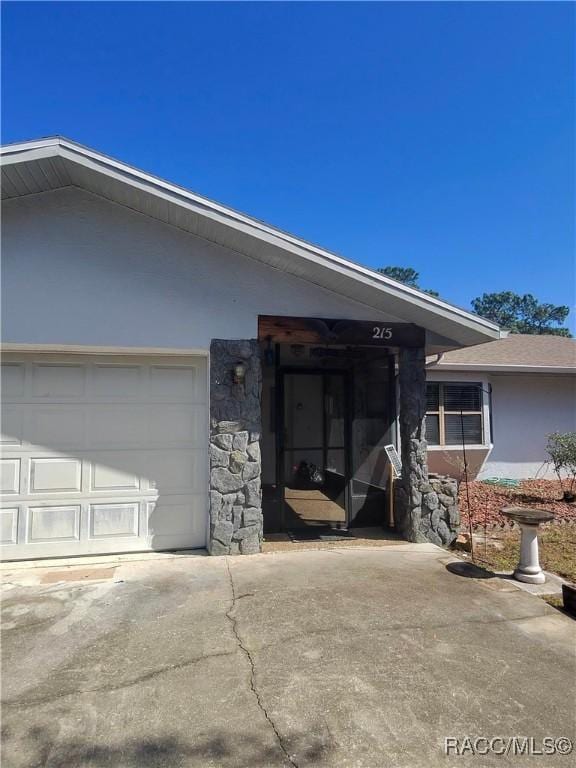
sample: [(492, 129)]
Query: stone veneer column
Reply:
[(412, 401), (426, 509), (235, 465)]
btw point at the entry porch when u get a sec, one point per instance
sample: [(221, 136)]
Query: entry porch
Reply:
[(311, 414)]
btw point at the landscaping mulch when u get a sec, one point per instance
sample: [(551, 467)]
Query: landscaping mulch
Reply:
[(487, 500), (502, 544)]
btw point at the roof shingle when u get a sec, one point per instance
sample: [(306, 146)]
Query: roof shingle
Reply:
[(515, 350)]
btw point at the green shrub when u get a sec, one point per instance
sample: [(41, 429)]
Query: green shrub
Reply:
[(561, 448)]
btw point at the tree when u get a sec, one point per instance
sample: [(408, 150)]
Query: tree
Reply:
[(405, 275), (521, 314)]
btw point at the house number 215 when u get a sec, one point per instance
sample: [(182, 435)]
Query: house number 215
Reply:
[(380, 332)]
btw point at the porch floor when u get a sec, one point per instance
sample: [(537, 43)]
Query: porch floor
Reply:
[(312, 506)]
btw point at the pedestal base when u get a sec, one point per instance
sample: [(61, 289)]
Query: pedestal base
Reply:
[(529, 570), (528, 519), (529, 578)]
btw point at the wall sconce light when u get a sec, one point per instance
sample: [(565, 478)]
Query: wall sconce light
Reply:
[(239, 373)]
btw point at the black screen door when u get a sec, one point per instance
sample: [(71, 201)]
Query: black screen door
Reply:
[(313, 455), (331, 464), (371, 428)]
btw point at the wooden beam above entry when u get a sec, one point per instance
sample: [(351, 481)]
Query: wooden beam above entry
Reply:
[(361, 333)]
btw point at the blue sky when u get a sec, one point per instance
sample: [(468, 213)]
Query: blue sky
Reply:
[(436, 135)]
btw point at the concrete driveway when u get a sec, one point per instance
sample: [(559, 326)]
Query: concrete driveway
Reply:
[(343, 657)]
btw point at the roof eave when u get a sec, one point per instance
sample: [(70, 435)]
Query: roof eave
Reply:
[(491, 367)]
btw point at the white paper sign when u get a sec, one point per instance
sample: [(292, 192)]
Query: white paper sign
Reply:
[(394, 459)]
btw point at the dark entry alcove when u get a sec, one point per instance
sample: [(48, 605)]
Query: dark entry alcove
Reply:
[(327, 414)]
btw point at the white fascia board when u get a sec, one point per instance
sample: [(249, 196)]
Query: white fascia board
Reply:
[(27, 155), (472, 367), (25, 146), (174, 194)]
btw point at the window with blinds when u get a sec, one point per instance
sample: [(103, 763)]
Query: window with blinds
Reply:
[(454, 414)]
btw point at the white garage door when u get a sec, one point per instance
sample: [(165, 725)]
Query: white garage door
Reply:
[(103, 455)]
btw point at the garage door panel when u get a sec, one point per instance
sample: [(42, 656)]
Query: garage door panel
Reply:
[(48, 475), (54, 523), (58, 381), (100, 450), (13, 378), (111, 476), (175, 517), (110, 520), (175, 383), (10, 476), (9, 525), (110, 426), (56, 426), (176, 471), (12, 430), (176, 425), (117, 382)]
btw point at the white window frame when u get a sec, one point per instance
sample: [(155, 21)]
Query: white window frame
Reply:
[(448, 377)]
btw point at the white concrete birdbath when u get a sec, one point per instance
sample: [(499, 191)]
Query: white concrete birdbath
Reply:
[(528, 569)]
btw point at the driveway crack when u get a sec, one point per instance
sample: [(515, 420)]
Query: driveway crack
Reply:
[(246, 652)]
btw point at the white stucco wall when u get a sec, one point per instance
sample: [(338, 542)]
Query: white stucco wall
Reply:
[(525, 409), (79, 270)]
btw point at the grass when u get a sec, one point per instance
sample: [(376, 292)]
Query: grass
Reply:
[(557, 551), (555, 601)]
